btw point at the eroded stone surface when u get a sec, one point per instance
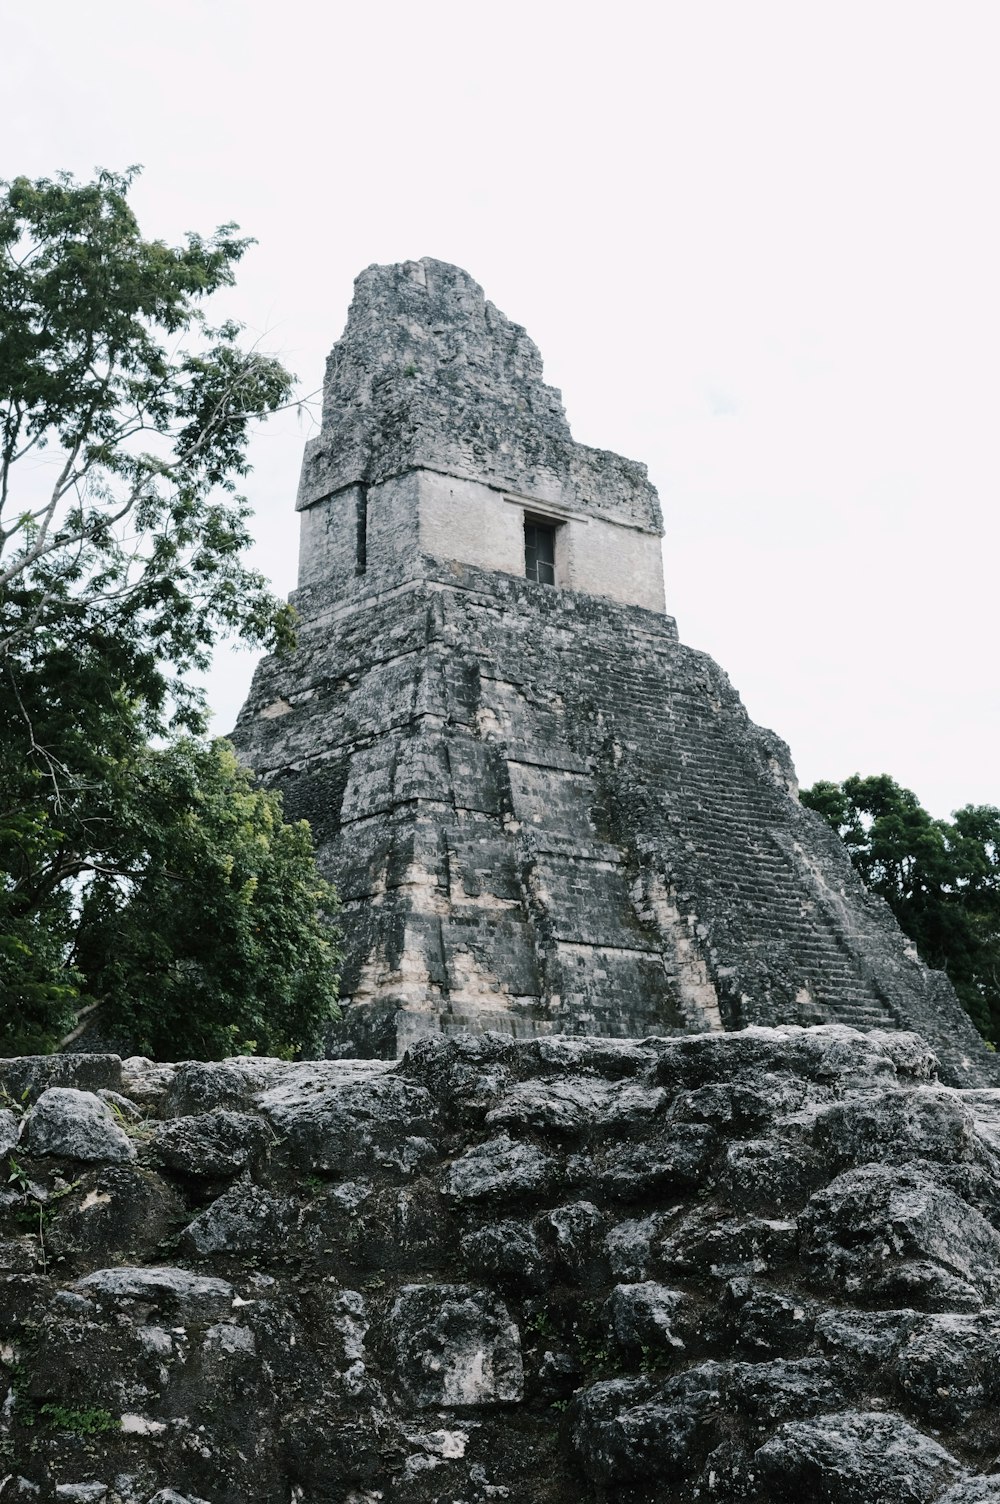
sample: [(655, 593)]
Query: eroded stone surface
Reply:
[(456, 1346), (77, 1125), (544, 814), (9, 1129), (856, 1457), (470, 1277), (211, 1145), (168, 1288)]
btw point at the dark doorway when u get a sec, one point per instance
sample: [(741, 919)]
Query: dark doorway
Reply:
[(540, 552), (361, 556)]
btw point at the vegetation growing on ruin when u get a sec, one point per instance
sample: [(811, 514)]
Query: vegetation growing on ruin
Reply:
[(142, 876), (941, 878)]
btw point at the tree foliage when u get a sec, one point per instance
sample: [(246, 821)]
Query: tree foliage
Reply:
[(207, 936), (198, 923), (940, 878), (124, 421), (129, 877)]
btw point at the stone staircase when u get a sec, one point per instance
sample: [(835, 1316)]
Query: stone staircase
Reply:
[(710, 807)]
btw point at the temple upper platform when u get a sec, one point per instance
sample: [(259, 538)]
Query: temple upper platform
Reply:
[(441, 441)]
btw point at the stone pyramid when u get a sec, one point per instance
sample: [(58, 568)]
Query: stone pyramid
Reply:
[(543, 813)]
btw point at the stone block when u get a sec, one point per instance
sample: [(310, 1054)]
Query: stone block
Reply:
[(456, 1346), (77, 1125)]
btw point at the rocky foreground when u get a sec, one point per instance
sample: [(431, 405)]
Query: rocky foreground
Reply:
[(760, 1266)]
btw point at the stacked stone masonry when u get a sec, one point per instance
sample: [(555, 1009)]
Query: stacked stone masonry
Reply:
[(543, 813), (759, 1268)]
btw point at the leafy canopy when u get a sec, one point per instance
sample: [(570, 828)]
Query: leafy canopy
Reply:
[(120, 445), (940, 878), (207, 937), (158, 886)]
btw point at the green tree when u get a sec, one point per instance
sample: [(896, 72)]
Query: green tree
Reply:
[(124, 422), (940, 878), (207, 936), (125, 419)]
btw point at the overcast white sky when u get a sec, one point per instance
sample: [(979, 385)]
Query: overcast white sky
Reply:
[(758, 245)]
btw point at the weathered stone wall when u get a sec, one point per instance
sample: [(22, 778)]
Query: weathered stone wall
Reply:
[(430, 376), (756, 1267), (463, 519), (437, 422), (624, 564), (424, 514), (470, 523), (544, 814)]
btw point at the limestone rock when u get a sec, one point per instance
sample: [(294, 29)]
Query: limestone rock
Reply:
[(576, 1233), (507, 1250), (632, 1431), (113, 1207), (853, 1458), (162, 1288), (456, 1346), (569, 1106), (349, 1127), (196, 1086), (948, 1365), (629, 1245), (673, 1159), (767, 1177), (930, 1122), (77, 1125), (244, 1219), (762, 1322), (646, 1315), (775, 1391), (893, 1232), (976, 1491), (145, 1082), (170, 1496), (9, 1129), (25, 1077), (873, 1336), (409, 1297), (500, 1170), (211, 1145)]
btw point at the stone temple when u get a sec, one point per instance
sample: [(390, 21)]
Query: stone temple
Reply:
[(544, 814), (738, 1264)]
